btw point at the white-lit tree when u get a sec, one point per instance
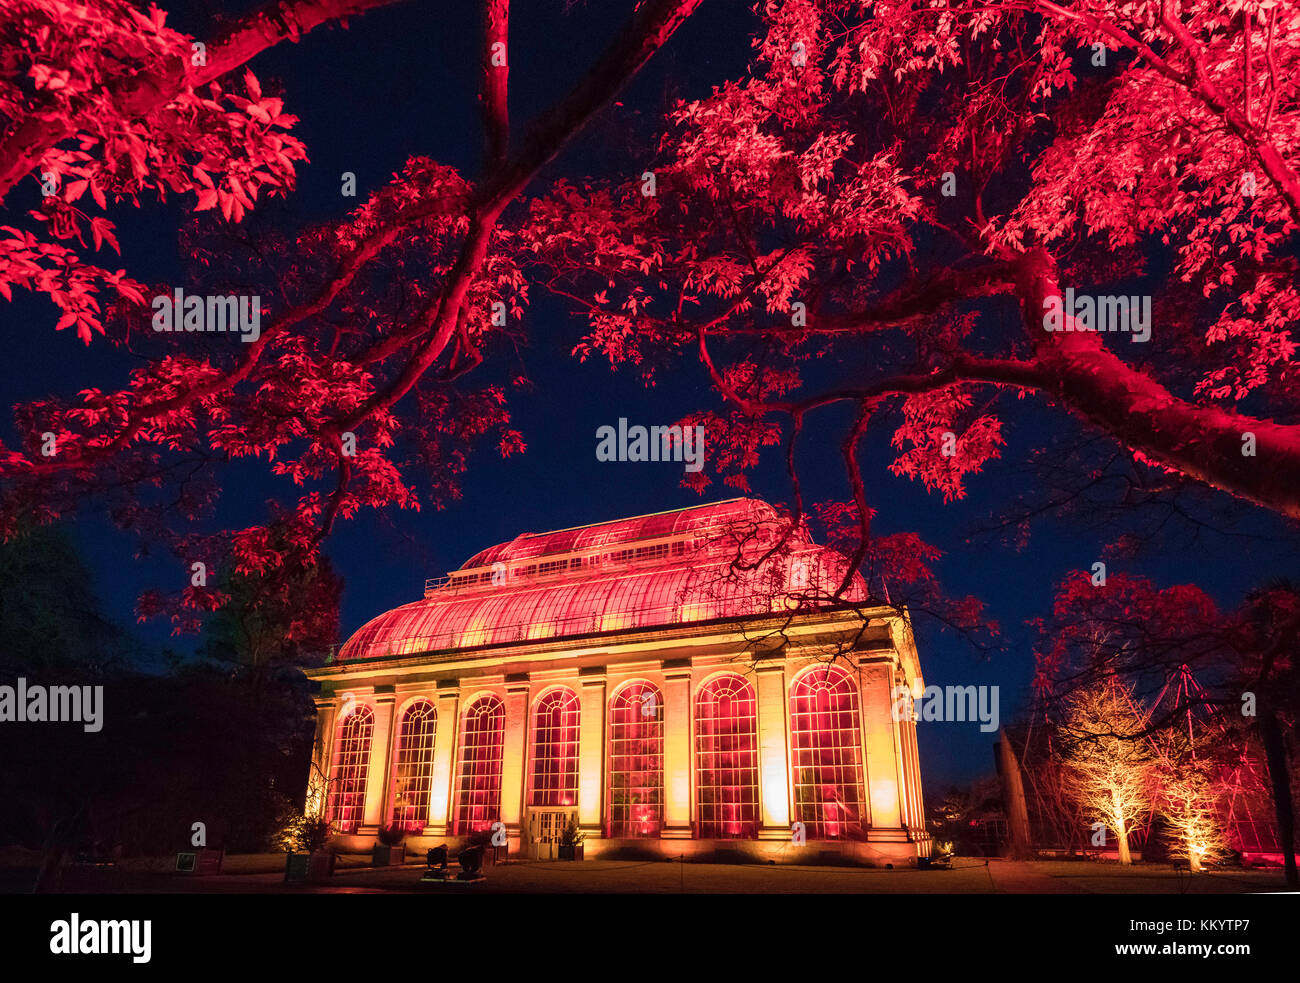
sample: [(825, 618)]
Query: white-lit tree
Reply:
[(1109, 761), (1191, 792)]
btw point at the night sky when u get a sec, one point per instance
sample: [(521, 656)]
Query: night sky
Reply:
[(401, 81)]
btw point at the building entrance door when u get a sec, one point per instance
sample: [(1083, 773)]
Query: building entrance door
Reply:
[(545, 826)]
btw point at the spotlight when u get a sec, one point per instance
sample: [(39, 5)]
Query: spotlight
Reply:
[(436, 864), (470, 859)]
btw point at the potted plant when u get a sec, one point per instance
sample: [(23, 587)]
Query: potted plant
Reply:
[(309, 856), (571, 842), (391, 848)]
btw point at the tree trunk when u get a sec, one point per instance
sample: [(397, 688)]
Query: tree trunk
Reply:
[(1193, 858), (1013, 798), (1121, 837), (1279, 777), (1121, 834), (62, 836)]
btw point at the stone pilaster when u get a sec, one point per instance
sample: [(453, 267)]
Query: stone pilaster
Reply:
[(591, 754), (678, 764), (513, 779), (322, 754), (378, 774), (880, 748), (773, 752), (444, 759)]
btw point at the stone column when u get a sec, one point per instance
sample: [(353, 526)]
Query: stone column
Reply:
[(441, 801), (677, 752), (773, 753), (513, 780), (913, 765), (379, 775), (880, 747), (591, 754), (322, 753)]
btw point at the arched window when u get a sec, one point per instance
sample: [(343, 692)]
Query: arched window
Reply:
[(726, 759), (826, 754), (481, 749), (555, 749), (413, 767), (636, 761), (347, 795)]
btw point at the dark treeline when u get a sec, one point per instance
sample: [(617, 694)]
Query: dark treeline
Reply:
[(222, 737)]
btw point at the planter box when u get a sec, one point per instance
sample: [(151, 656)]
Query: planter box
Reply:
[(388, 856), (569, 851), (299, 868), (322, 865), (201, 861)]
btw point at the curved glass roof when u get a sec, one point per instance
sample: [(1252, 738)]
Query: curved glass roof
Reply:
[(693, 564)]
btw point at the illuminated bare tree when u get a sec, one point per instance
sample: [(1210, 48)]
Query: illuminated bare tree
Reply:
[(1190, 802), (1109, 766)]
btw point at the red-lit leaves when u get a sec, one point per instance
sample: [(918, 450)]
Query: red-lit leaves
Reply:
[(356, 392), (890, 170), (941, 439), (62, 65)]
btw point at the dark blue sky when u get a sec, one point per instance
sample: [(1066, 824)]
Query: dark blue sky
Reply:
[(402, 81)]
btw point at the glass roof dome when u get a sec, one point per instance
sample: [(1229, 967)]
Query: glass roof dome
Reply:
[(721, 560)]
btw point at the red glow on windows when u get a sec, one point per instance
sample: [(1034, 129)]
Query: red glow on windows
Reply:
[(555, 749), (826, 753), (413, 767), (481, 750), (726, 759), (636, 761), (347, 798)]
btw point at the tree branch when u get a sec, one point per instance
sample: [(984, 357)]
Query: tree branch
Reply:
[(649, 28), (496, 77), (1203, 442), (26, 143)]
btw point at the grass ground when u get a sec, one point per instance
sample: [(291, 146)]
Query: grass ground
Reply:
[(261, 873)]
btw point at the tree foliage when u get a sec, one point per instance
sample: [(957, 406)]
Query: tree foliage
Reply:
[(874, 214)]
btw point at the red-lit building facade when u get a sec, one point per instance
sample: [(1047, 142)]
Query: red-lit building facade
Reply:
[(678, 683)]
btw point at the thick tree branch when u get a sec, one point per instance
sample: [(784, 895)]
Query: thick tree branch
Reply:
[(919, 300), (496, 77), (1203, 442), (1075, 369)]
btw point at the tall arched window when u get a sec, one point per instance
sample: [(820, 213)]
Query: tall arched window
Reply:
[(347, 795), (726, 759), (555, 749), (481, 749), (826, 754), (413, 767), (636, 761)]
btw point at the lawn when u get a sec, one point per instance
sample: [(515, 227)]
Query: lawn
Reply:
[(258, 873)]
